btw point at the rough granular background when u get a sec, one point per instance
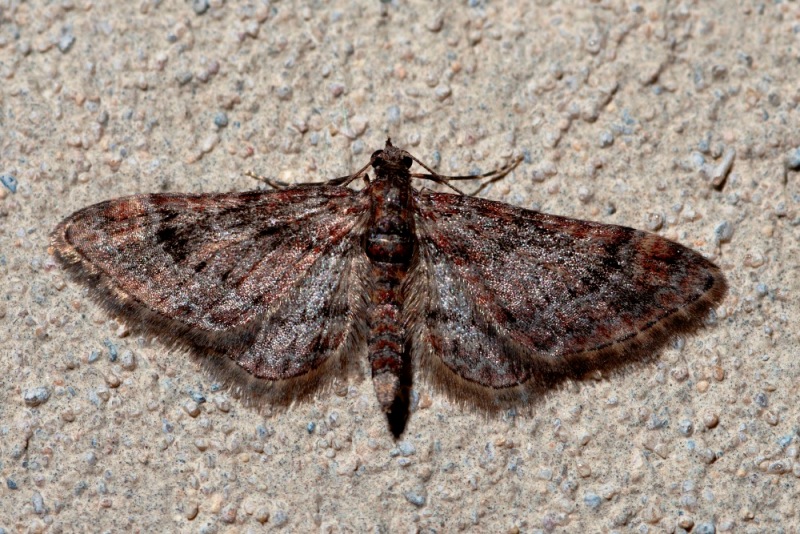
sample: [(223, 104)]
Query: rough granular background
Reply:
[(675, 117)]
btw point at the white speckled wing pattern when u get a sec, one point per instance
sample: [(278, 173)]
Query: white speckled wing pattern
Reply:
[(509, 301), (269, 280)]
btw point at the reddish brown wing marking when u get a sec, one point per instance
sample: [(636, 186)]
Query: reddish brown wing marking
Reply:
[(264, 278), (512, 294)]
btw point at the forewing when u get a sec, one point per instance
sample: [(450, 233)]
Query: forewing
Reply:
[(261, 277), (510, 300)]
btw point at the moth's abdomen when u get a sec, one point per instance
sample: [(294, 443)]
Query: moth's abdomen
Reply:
[(390, 245), (386, 336)]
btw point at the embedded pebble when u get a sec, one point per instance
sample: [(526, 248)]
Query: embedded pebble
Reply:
[(393, 114), (336, 89), (38, 503), (280, 518), (779, 467), (723, 232), (653, 221), (754, 259), (710, 420), (584, 470), (435, 24), (184, 77), (417, 498), (585, 195), (208, 144), (704, 528), (591, 500), (606, 139), (221, 120), (685, 522), (191, 408), (793, 159), (65, 42), (685, 427), (406, 448), (707, 456), (36, 396), (128, 361), (112, 350), (200, 6), (442, 92), (228, 513), (9, 181), (284, 92)]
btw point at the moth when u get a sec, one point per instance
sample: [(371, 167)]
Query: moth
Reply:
[(278, 292)]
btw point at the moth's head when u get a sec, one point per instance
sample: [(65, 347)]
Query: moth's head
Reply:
[(391, 157)]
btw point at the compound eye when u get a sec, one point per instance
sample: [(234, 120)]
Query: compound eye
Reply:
[(407, 162), (376, 155)]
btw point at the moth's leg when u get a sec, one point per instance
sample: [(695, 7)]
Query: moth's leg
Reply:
[(342, 180), (275, 184), (492, 176)]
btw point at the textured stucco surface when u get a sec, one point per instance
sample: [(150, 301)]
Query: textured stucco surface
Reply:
[(626, 112)]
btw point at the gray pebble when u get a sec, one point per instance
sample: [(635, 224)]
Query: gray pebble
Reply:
[(704, 528), (707, 456), (128, 361), (415, 498), (9, 181), (200, 6), (793, 159), (191, 408), (184, 77), (779, 467), (435, 24), (112, 350), (761, 290), (697, 160), (36, 396), (333, 419), (38, 503), (653, 221), (280, 518), (723, 232), (591, 500), (685, 427), (442, 92), (65, 42), (406, 448), (393, 114), (284, 92), (221, 120), (606, 139)]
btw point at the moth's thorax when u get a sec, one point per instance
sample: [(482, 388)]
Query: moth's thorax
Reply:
[(390, 238)]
